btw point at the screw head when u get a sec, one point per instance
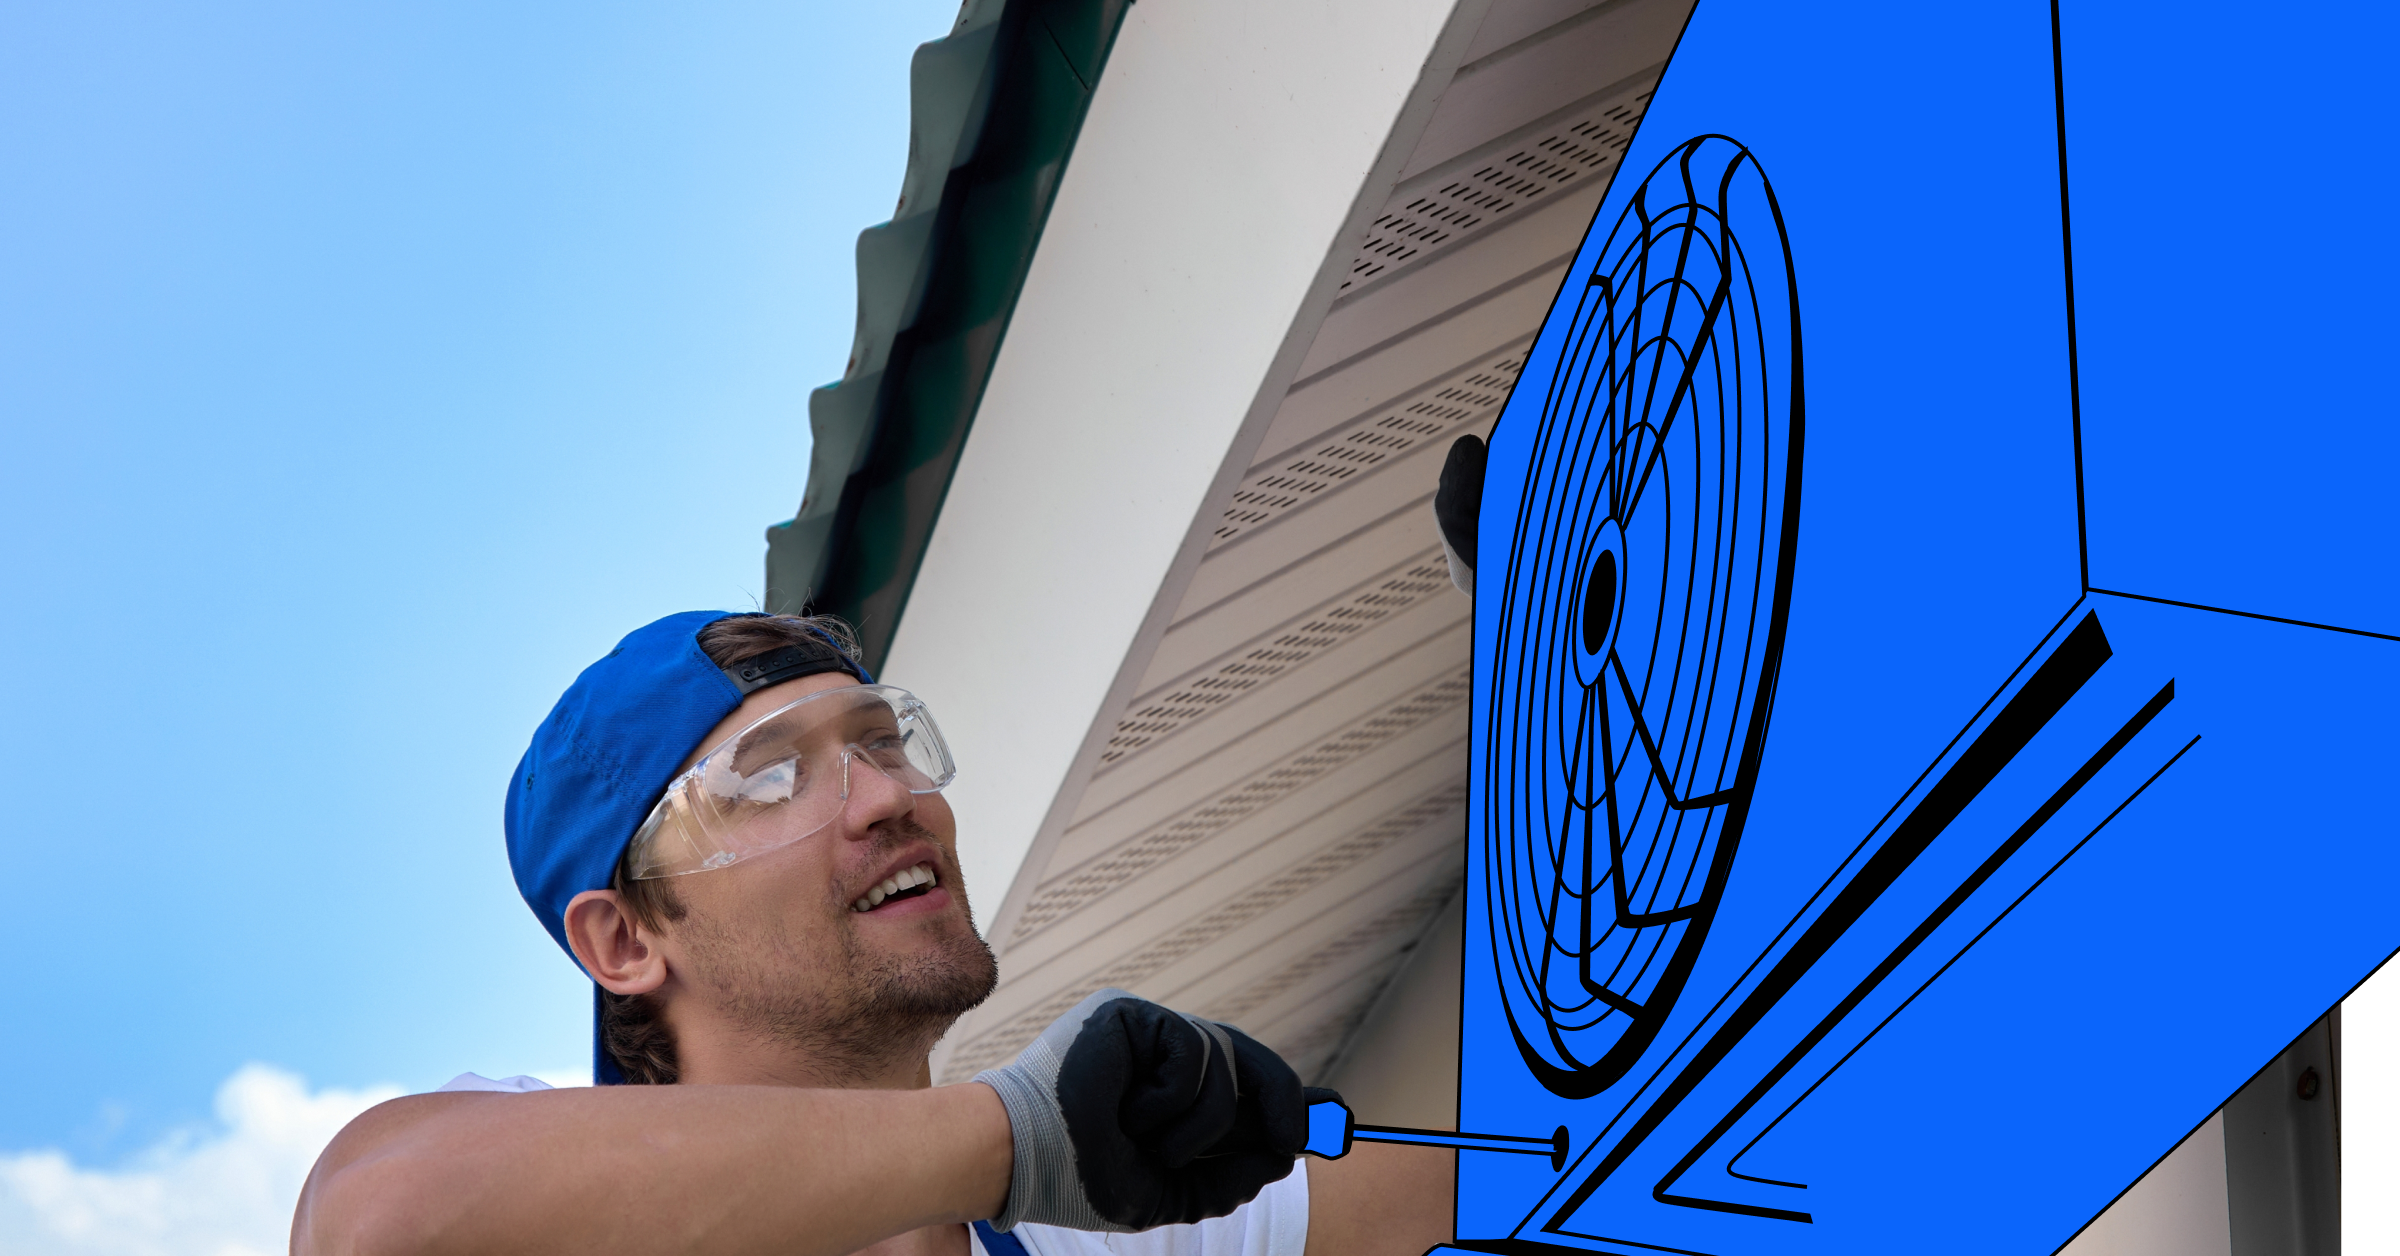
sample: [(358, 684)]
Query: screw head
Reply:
[(2310, 1084)]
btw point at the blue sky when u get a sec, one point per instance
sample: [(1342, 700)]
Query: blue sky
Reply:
[(366, 370)]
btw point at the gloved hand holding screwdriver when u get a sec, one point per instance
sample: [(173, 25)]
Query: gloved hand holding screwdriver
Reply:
[(1129, 1115)]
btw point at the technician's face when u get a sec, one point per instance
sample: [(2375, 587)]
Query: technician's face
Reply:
[(854, 936)]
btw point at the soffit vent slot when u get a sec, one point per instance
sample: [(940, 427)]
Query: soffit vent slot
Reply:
[(1004, 1040), (1308, 1049), (1061, 896), (1269, 656), (1470, 396), (1428, 214)]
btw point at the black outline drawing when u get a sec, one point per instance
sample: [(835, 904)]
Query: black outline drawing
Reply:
[(1807, 1039), (2025, 706), (2028, 702), (2066, 261), (1657, 532), (1640, 632)]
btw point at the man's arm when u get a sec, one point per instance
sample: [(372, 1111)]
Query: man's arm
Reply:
[(704, 1169), (1381, 1200)]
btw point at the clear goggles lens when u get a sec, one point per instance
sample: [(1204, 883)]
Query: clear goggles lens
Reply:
[(788, 776)]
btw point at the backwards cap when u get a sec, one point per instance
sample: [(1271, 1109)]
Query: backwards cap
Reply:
[(608, 750)]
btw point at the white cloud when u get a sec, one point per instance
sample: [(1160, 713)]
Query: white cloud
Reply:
[(228, 1191)]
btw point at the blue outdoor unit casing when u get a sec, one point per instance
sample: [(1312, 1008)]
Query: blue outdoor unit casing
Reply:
[(1937, 627)]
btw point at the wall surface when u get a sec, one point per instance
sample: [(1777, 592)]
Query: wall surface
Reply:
[(2177, 1209), (1402, 1068)]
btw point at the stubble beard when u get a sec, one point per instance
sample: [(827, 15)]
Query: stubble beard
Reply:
[(876, 1009)]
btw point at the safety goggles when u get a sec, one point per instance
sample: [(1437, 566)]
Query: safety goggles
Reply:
[(787, 776)]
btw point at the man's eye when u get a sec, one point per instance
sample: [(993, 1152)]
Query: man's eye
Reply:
[(776, 782)]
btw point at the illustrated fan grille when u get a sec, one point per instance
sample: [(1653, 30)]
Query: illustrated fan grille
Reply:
[(1640, 610)]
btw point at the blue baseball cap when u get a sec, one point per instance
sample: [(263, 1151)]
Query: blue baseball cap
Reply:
[(607, 752)]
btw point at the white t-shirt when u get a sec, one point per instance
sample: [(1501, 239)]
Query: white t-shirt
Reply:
[(1274, 1224)]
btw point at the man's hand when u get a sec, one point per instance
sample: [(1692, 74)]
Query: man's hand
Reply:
[(1457, 504), (1127, 1115)]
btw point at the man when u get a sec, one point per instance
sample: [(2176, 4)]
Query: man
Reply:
[(742, 840)]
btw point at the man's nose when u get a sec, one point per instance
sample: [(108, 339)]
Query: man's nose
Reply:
[(873, 796)]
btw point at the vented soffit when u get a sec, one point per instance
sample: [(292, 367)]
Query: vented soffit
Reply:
[(1273, 814)]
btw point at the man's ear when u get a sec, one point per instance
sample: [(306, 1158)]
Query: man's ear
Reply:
[(612, 946)]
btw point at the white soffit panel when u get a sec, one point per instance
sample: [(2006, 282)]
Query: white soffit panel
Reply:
[(1130, 369), (1267, 792)]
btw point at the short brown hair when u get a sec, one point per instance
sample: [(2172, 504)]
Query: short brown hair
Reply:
[(632, 1029)]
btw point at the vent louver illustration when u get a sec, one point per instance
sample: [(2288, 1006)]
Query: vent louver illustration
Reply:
[(1640, 613)]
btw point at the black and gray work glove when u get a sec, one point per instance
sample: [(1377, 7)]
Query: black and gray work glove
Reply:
[(1128, 1115)]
